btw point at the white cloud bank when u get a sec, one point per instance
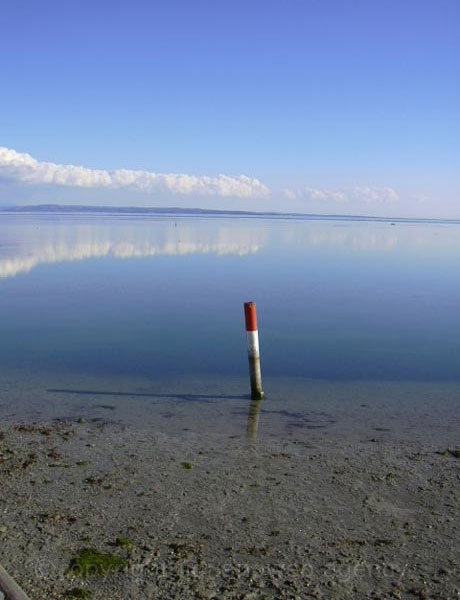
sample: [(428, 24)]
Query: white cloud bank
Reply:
[(24, 169), (36, 182), (361, 194)]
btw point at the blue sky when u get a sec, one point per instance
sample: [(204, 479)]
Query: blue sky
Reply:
[(324, 106)]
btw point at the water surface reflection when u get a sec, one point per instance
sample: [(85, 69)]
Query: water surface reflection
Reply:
[(162, 296), (28, 242)]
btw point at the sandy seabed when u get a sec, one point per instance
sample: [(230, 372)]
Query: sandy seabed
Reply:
[(310, 509)]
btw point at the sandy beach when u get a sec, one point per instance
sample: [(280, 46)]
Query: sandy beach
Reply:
[(182, 514)]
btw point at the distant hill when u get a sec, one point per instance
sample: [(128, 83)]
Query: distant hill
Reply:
[(178, 211), (154, 210)]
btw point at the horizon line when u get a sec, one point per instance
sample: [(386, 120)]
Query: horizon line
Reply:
[(181, 211)]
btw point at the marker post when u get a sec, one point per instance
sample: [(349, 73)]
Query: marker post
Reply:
[(252, 337)]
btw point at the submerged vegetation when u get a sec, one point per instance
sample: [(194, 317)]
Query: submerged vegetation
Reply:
[(77, 593), (124, 542), (90, 562)]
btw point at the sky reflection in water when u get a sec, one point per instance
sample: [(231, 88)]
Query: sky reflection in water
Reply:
[(147, 296)]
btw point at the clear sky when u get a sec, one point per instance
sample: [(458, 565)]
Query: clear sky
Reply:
[(345, 106)]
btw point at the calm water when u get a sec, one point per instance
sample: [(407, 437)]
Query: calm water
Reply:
[(155, 299)]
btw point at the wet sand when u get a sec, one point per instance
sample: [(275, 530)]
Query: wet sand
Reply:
[(314, 495)]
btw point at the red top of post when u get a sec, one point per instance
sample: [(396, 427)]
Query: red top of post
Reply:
[(250, 316)]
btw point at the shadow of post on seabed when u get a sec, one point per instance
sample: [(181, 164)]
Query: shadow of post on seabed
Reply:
[(254, 409), (180, 397)]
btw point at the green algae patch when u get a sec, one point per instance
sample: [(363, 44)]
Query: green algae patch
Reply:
[(90, 562), (123, 542), (77, 593), (186, 465)]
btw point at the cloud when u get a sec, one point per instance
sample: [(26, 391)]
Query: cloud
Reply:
[(23, 168), (364, 194)]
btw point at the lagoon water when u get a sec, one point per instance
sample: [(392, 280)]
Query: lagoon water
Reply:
[(121, 312)]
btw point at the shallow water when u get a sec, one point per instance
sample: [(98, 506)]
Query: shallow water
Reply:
[(107, 311)]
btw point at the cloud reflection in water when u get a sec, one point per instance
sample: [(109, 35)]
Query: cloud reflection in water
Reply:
[(24, 245)]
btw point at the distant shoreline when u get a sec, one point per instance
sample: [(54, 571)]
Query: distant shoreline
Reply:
[(197, 212)]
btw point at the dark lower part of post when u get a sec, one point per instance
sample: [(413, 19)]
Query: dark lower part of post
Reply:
[(255, 376)]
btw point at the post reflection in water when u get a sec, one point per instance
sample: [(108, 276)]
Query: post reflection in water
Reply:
[(252, 427)]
